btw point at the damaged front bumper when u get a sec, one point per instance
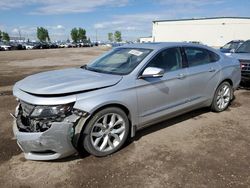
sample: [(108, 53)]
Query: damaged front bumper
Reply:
[(54, 143)]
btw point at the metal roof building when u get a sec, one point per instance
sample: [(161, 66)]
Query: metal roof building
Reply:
[(215, 31)]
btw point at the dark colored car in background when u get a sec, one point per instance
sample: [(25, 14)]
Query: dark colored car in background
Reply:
[(16, 46), (243, 55), (41, 45), (231, 46), (52, 45)]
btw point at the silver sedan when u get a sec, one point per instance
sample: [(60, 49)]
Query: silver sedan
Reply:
[(96, 107)]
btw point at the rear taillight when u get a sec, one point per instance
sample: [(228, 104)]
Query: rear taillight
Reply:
[(242, 65)]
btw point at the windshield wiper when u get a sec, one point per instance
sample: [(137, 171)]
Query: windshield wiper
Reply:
[(92, 69), (99, 70)]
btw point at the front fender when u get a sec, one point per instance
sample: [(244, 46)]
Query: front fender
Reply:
[(91, 102)]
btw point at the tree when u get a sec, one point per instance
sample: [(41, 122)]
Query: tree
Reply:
[(78, 34), (0, 35), (5, 36), (47, 35), (74, 34), (81, 34), (110, 37), (42, 34), (118, 36)]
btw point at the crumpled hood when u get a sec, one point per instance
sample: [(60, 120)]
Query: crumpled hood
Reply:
[(66, 81), (245, 56)]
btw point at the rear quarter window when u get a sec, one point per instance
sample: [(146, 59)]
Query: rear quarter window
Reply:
[(213, 56), (200, 56)]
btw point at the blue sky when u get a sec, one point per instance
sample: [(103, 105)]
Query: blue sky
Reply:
[(132, 17)]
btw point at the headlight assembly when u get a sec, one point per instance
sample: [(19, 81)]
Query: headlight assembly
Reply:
[(51, 111)]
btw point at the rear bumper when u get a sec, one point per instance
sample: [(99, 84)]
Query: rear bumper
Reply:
[(55, 143)]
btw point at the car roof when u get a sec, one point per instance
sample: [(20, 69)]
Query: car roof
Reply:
[(237, 41), (160, 45)]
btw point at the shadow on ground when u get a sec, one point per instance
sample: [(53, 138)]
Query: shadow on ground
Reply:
[(148, 130)]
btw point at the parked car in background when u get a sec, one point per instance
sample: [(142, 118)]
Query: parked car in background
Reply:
[(243, 55), (231, 46), (52, 45), (71, 45), (4, 46), (45, 45), (16, 46), (37, 45), (41, 45), (28, 46), (95, 108), (195, 42), (63, 45)]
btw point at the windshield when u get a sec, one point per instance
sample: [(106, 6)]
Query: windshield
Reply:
[(226, 46), (119, 61), (231, 45), (244, 48)]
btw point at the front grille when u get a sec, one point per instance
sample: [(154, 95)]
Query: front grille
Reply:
[(245, 65), (27, 124)]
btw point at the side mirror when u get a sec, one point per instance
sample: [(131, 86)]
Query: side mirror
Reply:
[(152, 72)]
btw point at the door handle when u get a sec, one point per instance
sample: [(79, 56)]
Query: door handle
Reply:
[(181, 76), (212, 69)]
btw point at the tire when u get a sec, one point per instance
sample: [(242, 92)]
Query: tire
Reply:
[(105, 133), (222, 97)]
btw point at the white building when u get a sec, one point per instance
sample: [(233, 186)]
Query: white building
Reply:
[(215, 31), (146, 39)]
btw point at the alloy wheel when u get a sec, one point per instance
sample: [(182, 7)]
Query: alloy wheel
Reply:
[(223, 97), (107, 132)]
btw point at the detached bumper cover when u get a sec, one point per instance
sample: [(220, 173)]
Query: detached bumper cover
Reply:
[(55, 143)]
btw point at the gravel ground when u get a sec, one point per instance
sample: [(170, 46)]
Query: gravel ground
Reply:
[(198, 149)]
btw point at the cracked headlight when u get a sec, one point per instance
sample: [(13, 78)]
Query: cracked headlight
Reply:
[(52, 111)]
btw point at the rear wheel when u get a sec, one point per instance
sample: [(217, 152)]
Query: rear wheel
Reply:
[(106, 132), (222, 97)]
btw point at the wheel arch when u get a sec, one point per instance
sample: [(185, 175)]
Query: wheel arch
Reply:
[(220, 82), (99, 108), (227, 80), (118, 105)]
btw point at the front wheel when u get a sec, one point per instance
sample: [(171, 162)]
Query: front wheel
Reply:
[(222, 97), (106, 132)]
